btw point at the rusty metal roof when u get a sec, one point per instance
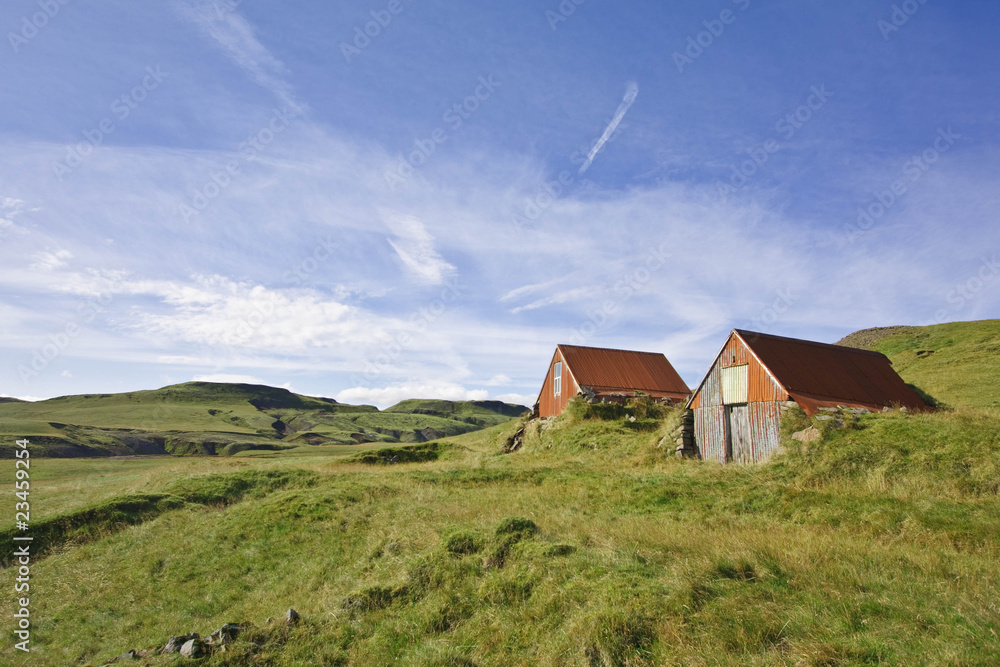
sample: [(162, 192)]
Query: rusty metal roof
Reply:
[(626, 370), (821, 374)]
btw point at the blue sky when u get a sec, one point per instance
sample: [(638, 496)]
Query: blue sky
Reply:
[(262, 191)]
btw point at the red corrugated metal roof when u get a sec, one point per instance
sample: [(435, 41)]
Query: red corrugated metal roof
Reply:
[(623, 370), (820, 374)]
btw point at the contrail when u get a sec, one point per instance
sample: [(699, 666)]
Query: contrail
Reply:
[(631, 91)]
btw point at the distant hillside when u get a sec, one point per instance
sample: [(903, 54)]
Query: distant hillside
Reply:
[(218, 418), (957, 363), (487, 413)]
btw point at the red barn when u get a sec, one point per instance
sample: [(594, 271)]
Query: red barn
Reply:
[(607, 375), (737, 407)]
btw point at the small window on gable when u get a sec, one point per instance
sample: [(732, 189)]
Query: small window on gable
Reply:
[(557, 379)]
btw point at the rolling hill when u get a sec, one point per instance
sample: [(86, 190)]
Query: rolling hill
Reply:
[(219, 418), (957, 364), (471, 411), (592, 544)]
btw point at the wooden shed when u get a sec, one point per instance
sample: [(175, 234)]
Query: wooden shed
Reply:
[(737, 407), (601, 374)]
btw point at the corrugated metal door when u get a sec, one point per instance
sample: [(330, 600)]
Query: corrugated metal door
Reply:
[(710, 433), (739, 444)]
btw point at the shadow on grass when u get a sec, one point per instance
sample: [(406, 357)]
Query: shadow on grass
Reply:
[(93, 523)]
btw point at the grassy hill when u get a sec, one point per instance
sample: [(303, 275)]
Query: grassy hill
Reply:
[(480, 412), (591, 545), (218, 418), (958, 364)]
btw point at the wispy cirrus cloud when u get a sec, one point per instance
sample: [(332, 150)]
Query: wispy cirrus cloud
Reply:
[(11, 208), (566, 296), (525, 290), (238, 38), (415, 247), (631, 92)]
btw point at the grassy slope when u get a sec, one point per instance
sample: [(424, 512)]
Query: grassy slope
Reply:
[(957, 363), (877, 545), (207, 418), (472, 410)]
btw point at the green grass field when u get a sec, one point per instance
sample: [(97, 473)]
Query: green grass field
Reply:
[(835, 555), (591, 545)]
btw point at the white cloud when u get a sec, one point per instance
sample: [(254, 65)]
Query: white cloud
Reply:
[(10, 208), (497, 380), (415, 247), (66, 374), (228, 378), (48, 261), (728, 258), (215, 310)]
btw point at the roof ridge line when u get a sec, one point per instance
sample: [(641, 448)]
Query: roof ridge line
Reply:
[(608, 349), (745, 333)]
